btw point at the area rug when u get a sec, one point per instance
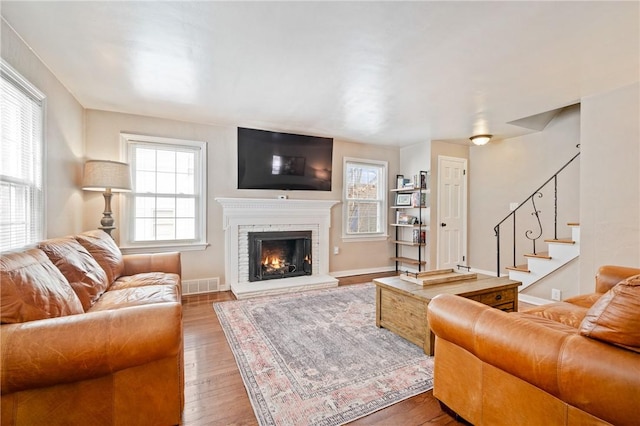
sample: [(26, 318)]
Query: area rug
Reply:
[(317, 358)]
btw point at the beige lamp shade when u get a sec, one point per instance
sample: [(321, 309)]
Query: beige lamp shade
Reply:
[(101, 175)]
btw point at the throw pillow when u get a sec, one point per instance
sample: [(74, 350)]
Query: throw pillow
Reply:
[(33, 288), (615, 317), (105, 251), (82, 271)]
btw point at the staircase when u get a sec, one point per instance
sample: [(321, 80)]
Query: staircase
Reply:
[(509, 232), (539, 265)]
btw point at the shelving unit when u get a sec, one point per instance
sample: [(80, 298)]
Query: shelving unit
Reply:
[(411, 230)]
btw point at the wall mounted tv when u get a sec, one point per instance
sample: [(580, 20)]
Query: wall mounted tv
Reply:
[(283, 161)]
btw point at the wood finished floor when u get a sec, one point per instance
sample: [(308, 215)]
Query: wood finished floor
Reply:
[(215, 394)]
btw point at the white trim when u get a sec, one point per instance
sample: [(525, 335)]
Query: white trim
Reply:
[(532, 300), (382, 199), (164, 248), (364, 238), (36, 94), (200, 242)]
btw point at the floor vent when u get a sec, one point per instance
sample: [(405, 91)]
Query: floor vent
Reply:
[(205, 285)]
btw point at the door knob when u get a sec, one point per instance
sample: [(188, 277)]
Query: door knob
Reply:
[(443, 224)]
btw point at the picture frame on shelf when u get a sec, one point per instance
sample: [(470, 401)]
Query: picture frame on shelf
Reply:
[(399, 181), (403, 199)]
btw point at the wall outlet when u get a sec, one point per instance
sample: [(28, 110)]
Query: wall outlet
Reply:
[(556, 294), (336, 250)]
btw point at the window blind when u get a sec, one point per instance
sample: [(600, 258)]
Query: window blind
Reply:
[(21, 162)]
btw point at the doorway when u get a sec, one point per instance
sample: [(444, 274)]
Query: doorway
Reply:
[(452, 212)]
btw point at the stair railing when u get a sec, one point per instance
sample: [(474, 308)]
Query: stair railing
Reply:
[(529, 233)]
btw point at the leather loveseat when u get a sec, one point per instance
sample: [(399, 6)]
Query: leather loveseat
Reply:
[(89, 336), (575, 362)]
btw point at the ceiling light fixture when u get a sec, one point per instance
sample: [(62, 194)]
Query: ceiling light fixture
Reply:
[(481, 139)]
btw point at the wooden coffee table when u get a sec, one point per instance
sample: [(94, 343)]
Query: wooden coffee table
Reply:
[(401, 306)]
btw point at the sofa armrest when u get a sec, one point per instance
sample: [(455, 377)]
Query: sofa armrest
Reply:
[(610, 275), (156, 262), (584, 372), (86, 346)]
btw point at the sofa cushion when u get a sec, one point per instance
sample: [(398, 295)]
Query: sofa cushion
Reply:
[(80, 269), (104, 250), (33, 288), (145, 279), (615, 317), (562, 312), (136, 296)]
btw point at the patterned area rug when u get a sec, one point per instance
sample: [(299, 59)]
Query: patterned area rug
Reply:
[(317, 358)]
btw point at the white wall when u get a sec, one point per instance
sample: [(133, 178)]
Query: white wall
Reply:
[(64, 145), (610, 182)]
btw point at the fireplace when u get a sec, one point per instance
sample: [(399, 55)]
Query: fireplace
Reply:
[(242, 216), (274, 255)]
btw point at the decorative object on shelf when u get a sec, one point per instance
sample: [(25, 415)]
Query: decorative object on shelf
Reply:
[(403, 199), (399, 181), (419, 199), (481, 139), (107, 176)]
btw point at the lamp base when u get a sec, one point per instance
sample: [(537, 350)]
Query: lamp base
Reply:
[(107, 229), (107, 221)]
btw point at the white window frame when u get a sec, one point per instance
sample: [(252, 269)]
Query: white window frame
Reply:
[(38, 216), (127, 244), (382, 200)]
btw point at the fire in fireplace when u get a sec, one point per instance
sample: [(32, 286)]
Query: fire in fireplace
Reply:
[(275, 255)]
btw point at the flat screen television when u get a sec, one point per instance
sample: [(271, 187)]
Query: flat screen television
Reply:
[(283, 161)]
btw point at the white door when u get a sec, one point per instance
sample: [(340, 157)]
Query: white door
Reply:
[(452, 212)]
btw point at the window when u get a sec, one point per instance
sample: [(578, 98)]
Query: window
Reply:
[(365, 188), (21, 161), (167, 206)]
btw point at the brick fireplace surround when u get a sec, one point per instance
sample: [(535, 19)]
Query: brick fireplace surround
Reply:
[(244, 215)]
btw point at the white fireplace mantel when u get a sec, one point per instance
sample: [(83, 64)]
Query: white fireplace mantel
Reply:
[(242, 214)]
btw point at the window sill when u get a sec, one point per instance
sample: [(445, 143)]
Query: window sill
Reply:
[(164, 248), (364, 238)]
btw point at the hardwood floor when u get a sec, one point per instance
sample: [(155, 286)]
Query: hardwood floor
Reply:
[(215, 394)]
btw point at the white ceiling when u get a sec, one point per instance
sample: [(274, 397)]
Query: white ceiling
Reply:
[(392, 73)]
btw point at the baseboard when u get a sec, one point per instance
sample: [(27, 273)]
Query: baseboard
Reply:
[(532, 300), (483, 272)]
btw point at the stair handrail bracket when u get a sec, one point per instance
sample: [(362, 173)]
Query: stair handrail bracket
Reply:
[(529, 234)]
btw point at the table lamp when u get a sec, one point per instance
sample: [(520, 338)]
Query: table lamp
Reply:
[(106, 176)]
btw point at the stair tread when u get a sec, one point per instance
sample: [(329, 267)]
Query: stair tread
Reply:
[(573, 224), (520, 268), (540, 255), (560, 241)]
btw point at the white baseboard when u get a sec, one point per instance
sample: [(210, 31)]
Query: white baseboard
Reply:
[(351, 272), (482, 271), (533, 300)]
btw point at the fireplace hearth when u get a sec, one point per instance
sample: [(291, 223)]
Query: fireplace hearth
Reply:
[(275, 255)]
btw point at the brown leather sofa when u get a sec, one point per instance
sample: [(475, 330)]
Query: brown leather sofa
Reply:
[(575, 362), (89, 336)]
